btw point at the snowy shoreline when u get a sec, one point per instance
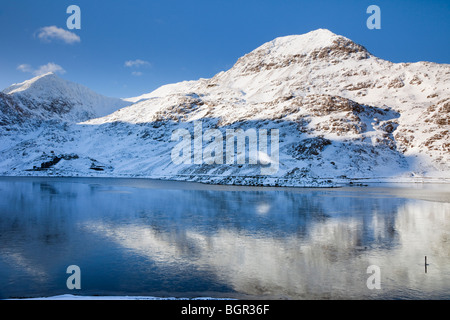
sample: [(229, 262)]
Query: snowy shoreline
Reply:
[(332, 182)]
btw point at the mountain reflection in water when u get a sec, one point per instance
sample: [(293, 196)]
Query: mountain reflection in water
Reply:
[(144, 237)]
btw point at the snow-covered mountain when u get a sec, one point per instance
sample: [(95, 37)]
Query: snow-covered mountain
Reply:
[(50, 97), (342, 115)]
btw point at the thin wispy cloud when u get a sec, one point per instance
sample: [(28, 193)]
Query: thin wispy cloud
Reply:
[(25, 68), (46, 68), (48, 34), (49, 67), (136, 63)]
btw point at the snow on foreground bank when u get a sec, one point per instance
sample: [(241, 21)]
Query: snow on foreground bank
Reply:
[(74, 297)]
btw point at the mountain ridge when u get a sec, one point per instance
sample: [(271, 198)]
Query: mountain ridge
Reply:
[(342, 113), (48, 96)]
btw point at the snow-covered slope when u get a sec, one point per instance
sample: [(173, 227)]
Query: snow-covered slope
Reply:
[(341, 113), (50, 97)]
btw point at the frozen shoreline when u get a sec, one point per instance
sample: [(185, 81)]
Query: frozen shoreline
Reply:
[(324, 182)]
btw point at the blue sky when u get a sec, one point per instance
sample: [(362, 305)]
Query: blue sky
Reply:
[(170, 41)]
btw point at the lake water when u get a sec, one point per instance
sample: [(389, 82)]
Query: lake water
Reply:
[(140, 237)]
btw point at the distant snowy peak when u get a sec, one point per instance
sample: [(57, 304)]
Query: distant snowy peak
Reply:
[(18, 87), (50, 97), (44, 85)]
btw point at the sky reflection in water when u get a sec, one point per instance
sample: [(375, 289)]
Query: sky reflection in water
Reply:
[(141, 237)]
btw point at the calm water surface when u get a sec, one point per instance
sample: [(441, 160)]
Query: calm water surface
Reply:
[(175, 239)]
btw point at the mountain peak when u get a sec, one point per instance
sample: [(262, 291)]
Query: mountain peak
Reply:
[(304, 43), (48, 96), (307, 43), (40, 81), (320, 44)]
